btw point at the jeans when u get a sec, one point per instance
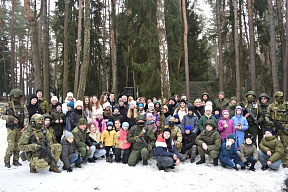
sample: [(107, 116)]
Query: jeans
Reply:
[(96, 152), (263, 158), (75, 159), (249, 159)]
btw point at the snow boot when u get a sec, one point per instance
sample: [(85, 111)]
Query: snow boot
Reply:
[(145, 162), (160, 167), (243, 168), (110, 160), (201, 161), (192, 160), (264, 168), (53, 168), (64, 167), (7, 164), (16, 163), (91, 160), (251, 168), (32, 170), (107, 159), (78, 165), (215, 162), (236, 168)]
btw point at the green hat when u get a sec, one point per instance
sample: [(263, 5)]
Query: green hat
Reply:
[(263, 95), (47, 116), (82, 121), (234, 98), (37, 117), (140, 117), (16, 92), (251, 93), (210, 122), (221, 92), (279, 93)]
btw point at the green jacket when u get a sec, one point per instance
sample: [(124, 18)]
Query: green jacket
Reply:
[(256, 110), (202, 121), (147, 134), (7, 113), (231, 109), (246, 151), (222, 104), (211, 138), (278, 112), (44, 105), (274, 145), (58, 127), (79, 137)]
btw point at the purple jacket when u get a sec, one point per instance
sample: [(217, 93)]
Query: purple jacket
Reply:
[(224, 132)]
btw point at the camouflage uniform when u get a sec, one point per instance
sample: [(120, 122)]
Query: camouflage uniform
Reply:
[(263, 108), (10, 111), (223, 104), (279, 111), (33, 153), (176, 134), (48, 128)]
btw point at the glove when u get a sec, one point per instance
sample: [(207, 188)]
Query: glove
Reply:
[(278, 125), (246, 163), (137, 140), (69, 169), (38, 147), (11, 119)]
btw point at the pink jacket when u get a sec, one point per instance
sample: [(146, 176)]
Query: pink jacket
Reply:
[(224, 132), (101, 126)]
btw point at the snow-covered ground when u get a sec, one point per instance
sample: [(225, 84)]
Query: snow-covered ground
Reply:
[(103, 176)]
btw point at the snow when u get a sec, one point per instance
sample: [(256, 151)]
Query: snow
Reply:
[(102, 176)]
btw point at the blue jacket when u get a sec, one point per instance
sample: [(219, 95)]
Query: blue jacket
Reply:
[(239, 133), (225, 154), (161, 148)]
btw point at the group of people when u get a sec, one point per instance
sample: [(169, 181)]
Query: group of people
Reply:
[(128, 131)]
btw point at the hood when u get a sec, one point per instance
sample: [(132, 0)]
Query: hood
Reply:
[(228, 115), (238, 107)]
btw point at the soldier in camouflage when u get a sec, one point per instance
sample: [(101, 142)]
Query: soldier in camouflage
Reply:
[(16, 115), (263, 106), (279, 111), (47, 121), (176, 134), (221, 102), (32, 151)]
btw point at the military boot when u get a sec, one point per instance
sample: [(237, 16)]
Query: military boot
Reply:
[(53, 168), (7, 164), (215, 161), (201, 161), (32, 170), (78, 165), (16, 163), (145, 162)]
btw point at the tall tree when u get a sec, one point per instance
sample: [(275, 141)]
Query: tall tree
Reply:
[(12, 46), (186, 49), (46, 53), (218, 18), (114, 49), (66, 49), (86, 51), (272, 47), (285, 65), (105, 84), (236, 43)]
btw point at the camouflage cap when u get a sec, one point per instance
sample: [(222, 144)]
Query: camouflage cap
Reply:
[(16, 92), (234, 98), (221, 92), (140, 117), (172, 119), (210, 122), (37, 117), (279, 93), (47, 116), (82, 121)]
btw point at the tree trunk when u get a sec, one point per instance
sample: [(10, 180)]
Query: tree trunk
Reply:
[(46, 54), (186, 50), (272, 47), (179, 39), (221, 77), (114, 50), (55, 70), (216, 60), (163, 49), (66, 50), (252, 46), (21, 63), (86, 51), (12, 47), (104, 67), (78, 49), (236, 43), (285, 65)]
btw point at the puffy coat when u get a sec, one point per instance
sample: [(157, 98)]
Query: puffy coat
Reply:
[(202, 121), (224, 132), (44, 105), (68, 151), (274, 145), (120, 137), (226, 154), (191, 120), (239, 133), (188, 141), (108, 137), (58, 127), (74, 118), (79, 137), (117, 116), (211, 138), (246, 151), (164, 150), (199, 111)]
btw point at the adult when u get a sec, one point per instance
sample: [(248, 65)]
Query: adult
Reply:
[(122, 107), (17, 117), (182, 109), (205, 97), (76, 114), (58, 121), (171, 105), (96, 107), (184, 97), (143, 101), (221, 102), (112, 99), (231, 107), (263, 106), (68, 98), (87, 108), (132, 114), (190, 119), (42, 102), (198, 109), (175, 133), (33, 106)]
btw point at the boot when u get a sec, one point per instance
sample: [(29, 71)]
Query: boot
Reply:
[(264, 168), (243, 168), (53, 168), (236, 168), (215, 161), (145, 162), (160, 167), (91, 160), (78, 165), (16, 163), (201, 161), (192, 160), (32, 170), (7, 164), (251, 168), (64, 167), (110, 160), (107, 159)]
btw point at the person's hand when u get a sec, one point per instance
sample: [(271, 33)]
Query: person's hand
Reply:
[(125, 141), (61, 121), (175, 157), (246, 163), (69, 170), (247, 115), (204, 146), (87, 148), (38, 147), (177, 162), (269, 163), (269, 153), (225, 125), (57, 121), (101, 146)]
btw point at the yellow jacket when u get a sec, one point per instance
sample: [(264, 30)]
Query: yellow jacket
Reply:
[(108, 137)]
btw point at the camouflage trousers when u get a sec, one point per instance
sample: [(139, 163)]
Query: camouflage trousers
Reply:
[(284, 141), (192, 152), (84, 152), (42, 164), (213, 153), (135, 156), (13, 137), (178, 145)]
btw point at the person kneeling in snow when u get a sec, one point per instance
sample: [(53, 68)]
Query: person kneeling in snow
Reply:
[(228, 152), (166, 153), (248, 153), (189, 147)]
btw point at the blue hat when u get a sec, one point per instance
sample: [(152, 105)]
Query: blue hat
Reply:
[(109, 123), (140, 104), (271, 131), (116, 107), (176, 116), (232, 136), (188, 127), (125, 124), (71, 104)]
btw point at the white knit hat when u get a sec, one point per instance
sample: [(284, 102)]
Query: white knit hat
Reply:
[(54, 98), (208, 107), (69, 94), (150, 104), (107, 104), (133, 103), (78, 103), (209, 103)]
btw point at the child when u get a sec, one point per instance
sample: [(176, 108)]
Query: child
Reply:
[(150, 122), (52, 105), (58, 121), (228, 152), (141, 110), (166, 114), (153, 112), (177, 121), (108, 137), (217, 114), (93, 139), (117, 125), (189, 148), (87, 108), (122, 145), (70, 106), (225, 126), (181, 110), (208, 142), (207, 115), (107, 113), (76, 114), (99, 122), (69, 153), (248, 153), (240, 124), (190, 119), (116, 114)]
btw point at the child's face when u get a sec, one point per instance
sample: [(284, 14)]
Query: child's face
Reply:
[(107, 108), (187, 131), (226, 116), (58, 108), (34, 101), (248, 141), (109, 127), (166, 135), (93, 128), (70, 140), (165, 110), (94, 100), (151, 108), (69, 108), (149, 117), (157, 105), (79, 107), (268, 134), (140, 108), (190, 112), (209, 127), (125, 128), (70, 98), (216, 112), (182, 104), (132, 106), (231, 140), (208, 112), (117, 124), (86, 100), (99, 116), (47, 121), (238, 111), (116, 110), (54, 102)]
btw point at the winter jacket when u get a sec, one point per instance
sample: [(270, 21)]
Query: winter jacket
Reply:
[(202, 121), (120, 137), (123, 110), (33, 109), (191, 120), (231, 109), (224, 132), (94, 111), (93, 139), (100, 125), (226, 154), (181, 112), (222, 104), (79, 137), (274, 145), (58, 127), (167, 117), (131, 120), (44, 105), (88, 115), (117, 116), (199, 111), (108, 137), (64, 105), (245, 151), (219, 117), (171, 108), (211, 138), (68, 124), (68, 151), (95, 136), (74, 118), (155, 117), (239, 133), (52, 108), (165, 150), (188, 141)]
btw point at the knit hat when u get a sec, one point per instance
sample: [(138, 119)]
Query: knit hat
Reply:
[(208, 107), (182, 100), (232, 136), (234, 98), (172, 119), (32, 96), (107, 104), (249, 136), (124, 124), (149, 98), (188, 127), (78, 103), (39, 90), (150, 105), (82, 121), (58, 103), (67, 135), (210, 122), (121, 100), (69, 94), (133, 103), (116, 107), (140, 104), (190, 108), (176, 116), (271, 131), (221, 92), (54, 98), (226, 112), (165, 107), (71, 104), (109, 123), (167, 129), (172, 98)]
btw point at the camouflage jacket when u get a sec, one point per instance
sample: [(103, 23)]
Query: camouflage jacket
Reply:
[(147, 134), (44, 105), (278, 112), (176, 134), (211, 138), (79, 137), (222, 104)]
